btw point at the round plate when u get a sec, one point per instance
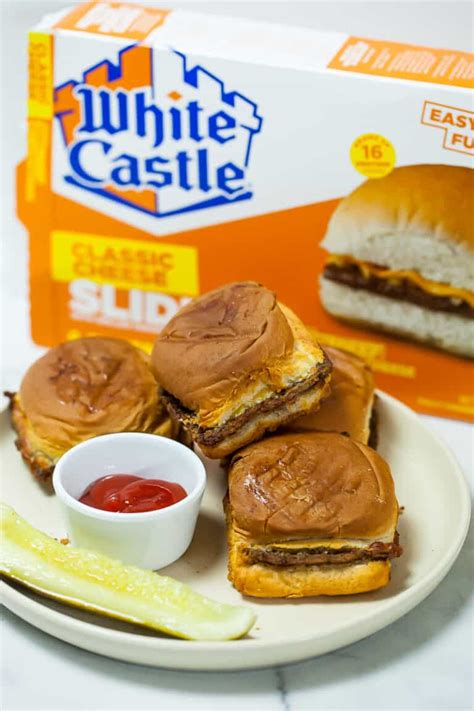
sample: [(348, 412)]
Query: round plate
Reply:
[(432, 529)]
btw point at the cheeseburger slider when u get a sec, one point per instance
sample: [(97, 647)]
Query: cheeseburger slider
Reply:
[(401, 255), (234, 364), (310, 514), (80, 389), (349, 408)]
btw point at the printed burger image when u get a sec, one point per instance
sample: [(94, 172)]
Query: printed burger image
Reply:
[(400, 258)]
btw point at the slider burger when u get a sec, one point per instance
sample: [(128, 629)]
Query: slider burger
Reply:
[(401, 255), (234, 364), (310, 514), (80, 389), (349, 408)]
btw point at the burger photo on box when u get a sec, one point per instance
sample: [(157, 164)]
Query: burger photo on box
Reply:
[(401, 254)]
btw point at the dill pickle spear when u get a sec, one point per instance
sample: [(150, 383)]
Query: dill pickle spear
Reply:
[(96, 583)]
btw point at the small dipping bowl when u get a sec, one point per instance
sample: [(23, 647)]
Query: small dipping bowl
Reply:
[(152, 539)]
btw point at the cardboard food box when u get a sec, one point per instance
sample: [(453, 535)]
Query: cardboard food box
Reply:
[(171, 152)]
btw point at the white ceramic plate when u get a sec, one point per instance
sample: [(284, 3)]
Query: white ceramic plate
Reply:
[(428, 483)]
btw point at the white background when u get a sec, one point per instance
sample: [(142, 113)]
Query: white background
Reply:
[(423, 661)]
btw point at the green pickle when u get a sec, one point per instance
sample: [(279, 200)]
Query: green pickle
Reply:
[(94, 582)]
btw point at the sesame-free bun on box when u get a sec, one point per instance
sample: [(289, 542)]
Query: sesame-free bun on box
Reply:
[(234, 364), (81, 389), (349, 408), (310, 514), (401, 254)]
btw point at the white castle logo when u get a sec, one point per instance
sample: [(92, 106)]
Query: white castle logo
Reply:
[(176, 141)]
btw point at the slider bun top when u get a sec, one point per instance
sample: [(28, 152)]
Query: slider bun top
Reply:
[(417, 217), (88, 387), (311, 485), (217, 344), (348, 407)]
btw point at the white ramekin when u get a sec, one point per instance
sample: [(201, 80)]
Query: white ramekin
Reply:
[(152, 539)]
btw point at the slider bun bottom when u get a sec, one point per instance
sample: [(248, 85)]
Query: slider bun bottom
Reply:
[(437, 328), (259, 580), (266, 422), (39, 458)]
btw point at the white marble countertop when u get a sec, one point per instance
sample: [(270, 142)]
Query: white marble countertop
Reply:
[(423, 661)]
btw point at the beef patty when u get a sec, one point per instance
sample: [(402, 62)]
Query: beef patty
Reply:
[(399, 289), (212, 435), (272, 555)]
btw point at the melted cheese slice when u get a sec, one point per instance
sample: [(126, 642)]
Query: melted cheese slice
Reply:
[(334, 543), (431, 287)]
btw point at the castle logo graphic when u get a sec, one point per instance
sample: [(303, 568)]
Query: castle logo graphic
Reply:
[(156, 134)]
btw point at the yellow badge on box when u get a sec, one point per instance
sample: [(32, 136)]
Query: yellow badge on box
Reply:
[(125, 263), (373, 155)]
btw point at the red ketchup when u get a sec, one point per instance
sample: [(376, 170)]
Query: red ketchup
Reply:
[(127, 493)]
